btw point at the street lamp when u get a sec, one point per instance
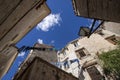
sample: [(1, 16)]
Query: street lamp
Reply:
[(86, 31)]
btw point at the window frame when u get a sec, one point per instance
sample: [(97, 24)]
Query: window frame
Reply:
[(75, 44), (110, 39), (83, 50), (94, 73)]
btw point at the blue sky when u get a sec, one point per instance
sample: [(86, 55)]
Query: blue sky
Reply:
[(57, 29)]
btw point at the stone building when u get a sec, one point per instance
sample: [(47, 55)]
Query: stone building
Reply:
[(17, 18), (107, 10), (40, 69), (43, 51), (112, 26), (6, 59), (39, 65), (79, 56)]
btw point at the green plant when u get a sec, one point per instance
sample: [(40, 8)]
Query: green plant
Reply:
[(111, 62)]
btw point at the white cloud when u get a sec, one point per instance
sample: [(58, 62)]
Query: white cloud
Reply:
[(40, 41), (21, 54), (19, 62), (50, 21), (52, 41)]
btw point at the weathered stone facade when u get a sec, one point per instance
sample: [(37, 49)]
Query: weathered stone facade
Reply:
[(79, 56), (107, 10), (17, 18), (112, 26)]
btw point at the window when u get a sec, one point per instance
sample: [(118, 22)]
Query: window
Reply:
[(66, 48), (64, 53), (94, 73), (100, 32), (75, 44), (81, 53), (112, 39)]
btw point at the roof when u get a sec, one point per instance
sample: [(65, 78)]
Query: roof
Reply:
[(43, 45), (38, 62)]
